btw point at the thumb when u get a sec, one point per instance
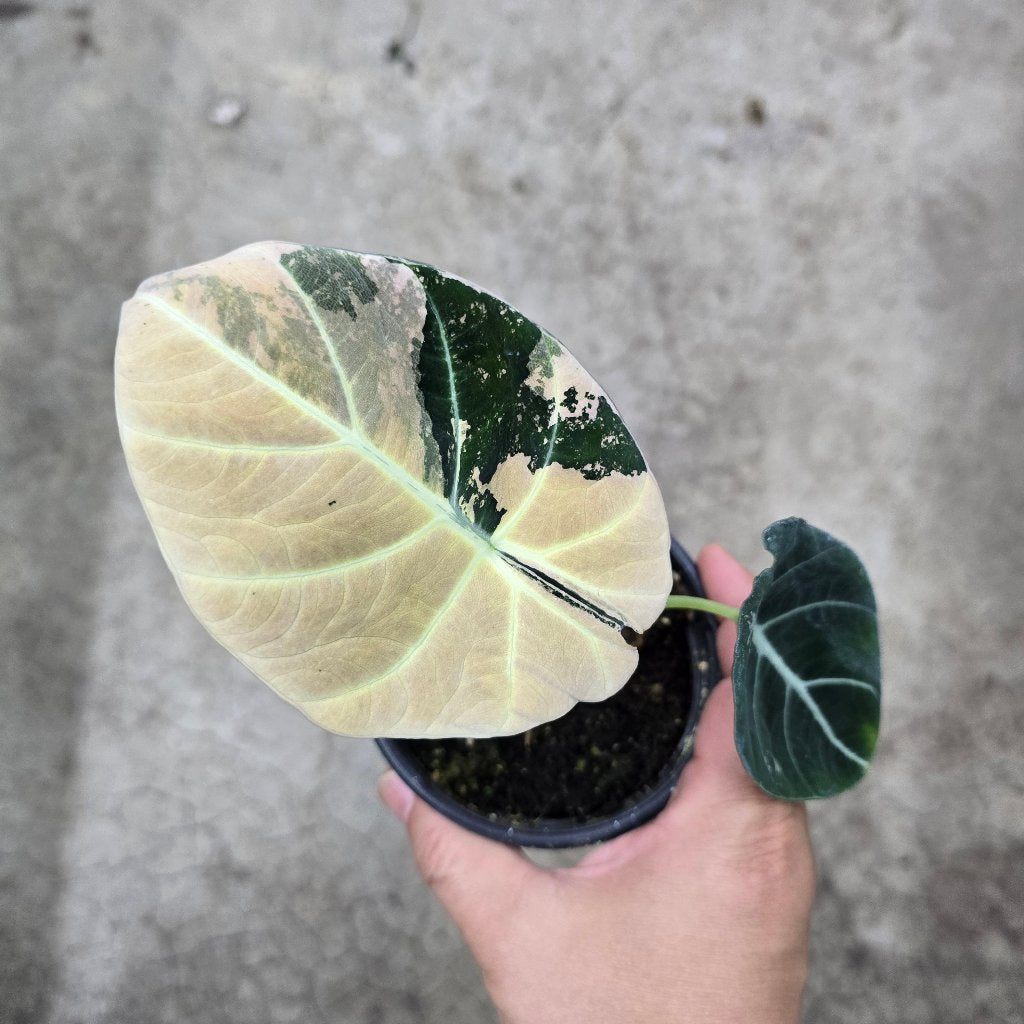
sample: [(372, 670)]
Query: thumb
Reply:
[(715, 769), (715, 772), (478, 881)]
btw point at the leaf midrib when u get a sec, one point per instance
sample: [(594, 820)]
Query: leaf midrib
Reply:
[(329, 344), (767, 650), (453, 496)]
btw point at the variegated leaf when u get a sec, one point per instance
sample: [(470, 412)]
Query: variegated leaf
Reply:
[(403, 505)]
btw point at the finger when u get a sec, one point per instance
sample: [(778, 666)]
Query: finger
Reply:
[(716, 807), (725, 647), (723, 577), (715, 771), (715, 787), (727, 581), (478, 881), (714, 774), (716, 768)]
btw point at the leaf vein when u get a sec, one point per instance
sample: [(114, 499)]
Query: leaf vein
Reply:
[(330, 346), (783, 616), (338, 567), (254, 449), (460, 585), (768, 651)]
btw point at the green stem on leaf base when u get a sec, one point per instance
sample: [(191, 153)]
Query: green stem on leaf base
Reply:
[(702, 604)]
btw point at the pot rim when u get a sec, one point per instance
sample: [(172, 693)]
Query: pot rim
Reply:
[(559, 833)]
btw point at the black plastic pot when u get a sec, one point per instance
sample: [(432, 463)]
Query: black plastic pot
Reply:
[(556, 833)]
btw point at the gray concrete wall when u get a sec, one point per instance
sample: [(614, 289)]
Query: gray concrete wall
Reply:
[(789, 240)]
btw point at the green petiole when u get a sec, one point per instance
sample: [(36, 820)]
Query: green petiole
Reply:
[(702, 604)]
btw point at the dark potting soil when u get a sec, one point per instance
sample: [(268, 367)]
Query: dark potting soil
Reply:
[(587, 764)]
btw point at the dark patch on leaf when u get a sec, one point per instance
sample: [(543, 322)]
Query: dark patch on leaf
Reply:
[(434, 381), (598, 446), (485, 346), (488, 514), (330, 277), (236, 312), (297, 356), (477, 357)]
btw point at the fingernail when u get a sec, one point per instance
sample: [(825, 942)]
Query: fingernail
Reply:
[(396, 795)]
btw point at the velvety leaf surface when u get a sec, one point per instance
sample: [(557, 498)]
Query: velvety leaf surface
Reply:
[(807, 673), (403, 505)]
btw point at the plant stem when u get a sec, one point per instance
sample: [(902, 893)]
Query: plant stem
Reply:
[(702, 604)]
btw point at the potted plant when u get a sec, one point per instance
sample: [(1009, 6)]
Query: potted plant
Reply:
[(411, 512)]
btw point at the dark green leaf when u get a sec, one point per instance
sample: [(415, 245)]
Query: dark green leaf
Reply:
[(807, 675)]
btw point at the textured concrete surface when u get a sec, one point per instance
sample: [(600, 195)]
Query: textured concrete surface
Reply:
[(787, 238)]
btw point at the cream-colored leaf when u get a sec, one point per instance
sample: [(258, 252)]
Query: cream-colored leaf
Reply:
[(405, 508)]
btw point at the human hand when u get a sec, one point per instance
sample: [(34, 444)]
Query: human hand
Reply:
[(700, 916)]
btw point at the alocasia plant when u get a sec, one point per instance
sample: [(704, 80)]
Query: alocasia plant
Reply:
[(411, 512)]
